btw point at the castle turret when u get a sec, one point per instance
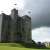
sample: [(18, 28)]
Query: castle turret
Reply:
[(14, 13)]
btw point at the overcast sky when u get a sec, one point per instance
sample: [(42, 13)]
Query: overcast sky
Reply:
[(40, 14)]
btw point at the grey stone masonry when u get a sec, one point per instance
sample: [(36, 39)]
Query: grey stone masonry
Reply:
[(14, 28)]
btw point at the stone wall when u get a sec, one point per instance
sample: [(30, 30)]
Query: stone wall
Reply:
[(15, 28), (5, 28), (0, 26)]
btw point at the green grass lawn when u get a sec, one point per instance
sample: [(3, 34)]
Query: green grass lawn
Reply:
[(6, 46)]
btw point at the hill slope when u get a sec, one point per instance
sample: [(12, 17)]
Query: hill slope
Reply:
[(14, 46)]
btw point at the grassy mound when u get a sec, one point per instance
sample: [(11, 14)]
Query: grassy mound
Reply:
[(15, 46)]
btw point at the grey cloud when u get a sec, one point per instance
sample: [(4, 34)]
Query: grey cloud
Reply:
[(40, 12)]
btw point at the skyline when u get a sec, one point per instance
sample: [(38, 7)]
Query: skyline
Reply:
[(40, 14)]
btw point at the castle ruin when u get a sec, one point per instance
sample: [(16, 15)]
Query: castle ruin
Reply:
[(14, 28)]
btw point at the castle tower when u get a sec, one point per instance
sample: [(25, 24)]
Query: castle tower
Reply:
[(27, 29), (15, 26), (5, 31)]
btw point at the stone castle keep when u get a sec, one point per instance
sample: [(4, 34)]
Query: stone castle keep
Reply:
[(14, 28)]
